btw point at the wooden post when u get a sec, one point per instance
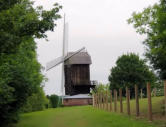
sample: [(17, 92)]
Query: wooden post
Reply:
[(155, 91), (115, 100), (141, 94), (107, 100), (93, 97), (137, 100), (99, 98), (104, 100), (165, 95), (128, 101), (149, 102), (111, 100), (96, 100), (120, 98), (102, 97)]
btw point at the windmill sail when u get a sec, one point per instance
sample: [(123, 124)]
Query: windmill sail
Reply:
[(54, 63), (61, 59)]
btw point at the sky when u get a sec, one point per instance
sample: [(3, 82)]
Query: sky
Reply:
[(99, 25)]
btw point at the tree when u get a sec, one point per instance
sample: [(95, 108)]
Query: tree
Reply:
[(152, 22), (20, 72), (19, 21), (130, 70)]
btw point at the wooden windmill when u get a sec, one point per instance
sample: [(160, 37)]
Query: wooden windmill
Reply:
[(75, 69)]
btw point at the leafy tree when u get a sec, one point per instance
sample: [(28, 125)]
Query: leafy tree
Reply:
[(19, 21), (130, 70), (20, 72), (152, 22)]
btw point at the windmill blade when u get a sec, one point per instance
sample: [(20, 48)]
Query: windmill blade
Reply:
[(54, 63), (61, 59)]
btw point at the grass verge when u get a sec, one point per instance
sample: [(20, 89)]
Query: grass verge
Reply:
[(82, 116)]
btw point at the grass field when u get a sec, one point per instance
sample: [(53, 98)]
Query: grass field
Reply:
[(83, 116), (156, 107)]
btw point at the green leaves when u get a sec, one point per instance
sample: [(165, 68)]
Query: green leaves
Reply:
[(21, 20), (130, 70), (152, 22), (20, 72)]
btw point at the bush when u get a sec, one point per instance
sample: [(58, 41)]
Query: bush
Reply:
[(55, 101), (36, 102)]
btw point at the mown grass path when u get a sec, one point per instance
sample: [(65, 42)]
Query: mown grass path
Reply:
[(82, 116)]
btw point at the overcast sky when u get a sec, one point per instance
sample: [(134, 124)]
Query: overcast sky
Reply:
[(100, 26)]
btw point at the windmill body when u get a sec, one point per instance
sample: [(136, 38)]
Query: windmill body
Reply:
[(76, 82), (77, 74)]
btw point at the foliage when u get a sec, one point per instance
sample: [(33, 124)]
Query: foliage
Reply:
[(130, 70), (19, 20), (151, 22), (20, 72), (100, 88), (36, 102), (55, 101)]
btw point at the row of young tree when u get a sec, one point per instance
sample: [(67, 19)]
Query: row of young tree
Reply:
[(20, 72), (130, 69)]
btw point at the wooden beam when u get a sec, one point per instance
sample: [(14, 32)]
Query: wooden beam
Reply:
[(137, 100), (165, 95), (120, 98), (111, 100), (128, 100), (115, 100), (107, 100), (149, 102)]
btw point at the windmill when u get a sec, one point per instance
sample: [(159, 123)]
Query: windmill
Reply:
[(64, 57), (75, 69)]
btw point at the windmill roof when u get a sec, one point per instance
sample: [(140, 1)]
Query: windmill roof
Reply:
[(80, 58)]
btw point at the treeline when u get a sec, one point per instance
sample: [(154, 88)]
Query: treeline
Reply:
[(130, 70), (20, 72)]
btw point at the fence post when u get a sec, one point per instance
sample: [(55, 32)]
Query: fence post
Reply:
[(93, 100), (99, 105), (137, 100), (111, 100), (120, 98), (107, 100), (149, 102), (102, 100), (115, 100), (165, 95), (95, 104), (128, 100), (141, 94)]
